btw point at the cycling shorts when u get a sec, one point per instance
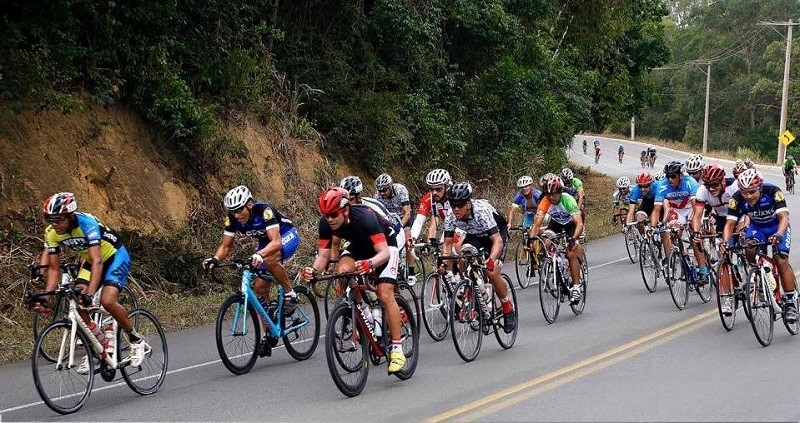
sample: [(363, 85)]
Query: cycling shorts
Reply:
[(115, 269), (762, 234), (678, 216), (569, 227), (485, 242), (290, 240)]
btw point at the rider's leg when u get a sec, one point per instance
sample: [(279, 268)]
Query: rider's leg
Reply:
[(573, 253)]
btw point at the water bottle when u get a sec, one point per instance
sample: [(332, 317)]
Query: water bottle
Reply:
[(377, 313), (769, 277), (487, 287), (98, 332), (482, 292), (367, 315), (448, 277), (109, 334)]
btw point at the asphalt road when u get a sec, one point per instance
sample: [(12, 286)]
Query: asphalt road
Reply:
[(631, 356)]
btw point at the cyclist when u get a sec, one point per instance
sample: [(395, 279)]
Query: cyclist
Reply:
[(620, 152), (596, 151), (748, 163), (620, 199), (769, 221), (694, 167), (433, 204), (712, 195), (596, 143), (643, 158), (675, 197), (353, 185), (574, 187), (106, 264), (584, 146), (789, 170), (651, 153), (526, 200), (642, 199), (564, 216), (396, 199), (370, 247), (484, 228)]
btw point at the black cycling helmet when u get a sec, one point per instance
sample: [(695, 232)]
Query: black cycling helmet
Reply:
[(673, 167), (460, 192)]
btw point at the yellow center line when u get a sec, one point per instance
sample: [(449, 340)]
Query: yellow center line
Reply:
[(571, 372)]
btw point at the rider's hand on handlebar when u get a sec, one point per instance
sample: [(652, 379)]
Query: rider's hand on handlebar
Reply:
[(210, 263), (308, 273), (775, 239), (364, 266)]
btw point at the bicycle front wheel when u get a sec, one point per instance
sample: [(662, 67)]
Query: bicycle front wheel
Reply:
[(763, 315), (301, 332), (704, 289), (630, 245), (549, 292), (58, 382), (435, 305), (237, 338), (679, 277), (648, 266), (147, 377), (505, 339), (409, 338), (40, 321), (466, 320), (522, 259), (333, 293), (578, 308), (725, 296), (346, 351)]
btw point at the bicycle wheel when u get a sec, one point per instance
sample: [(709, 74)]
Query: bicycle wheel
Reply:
[(648, 266), (549, 294), (704, 290), (40, 321), (466, 320), (346, 351), (506, 340), (630, 238), (408, 294), (522, 259), (237, 338), (725, 295), (333, 293), (578, 308), (60, 385), (679, 279), (792, 327), (409, 336), (301, 334), (763, 322), (435, 305), (147, 377)]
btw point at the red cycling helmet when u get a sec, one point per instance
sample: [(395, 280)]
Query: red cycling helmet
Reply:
[(713, 173), (738, 168), (644, 178), (333, 199), (60, 203)]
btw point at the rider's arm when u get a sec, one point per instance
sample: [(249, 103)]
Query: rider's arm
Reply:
[(511, 215), (406, 215), (497, 246), (631, 208), (96, 260), (727, 231), (578, 226), (656, 212), (274, 245), (783, 222), (321, 261), (697, 215), (225, 247), (53, 270)]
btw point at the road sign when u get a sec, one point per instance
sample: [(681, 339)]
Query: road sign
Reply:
[(786, 137)]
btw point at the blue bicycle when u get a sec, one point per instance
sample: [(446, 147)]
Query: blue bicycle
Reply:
[(238, 328)]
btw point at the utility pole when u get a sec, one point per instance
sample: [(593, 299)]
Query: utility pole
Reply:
[(708, 97), (785, 92), (633, 128)]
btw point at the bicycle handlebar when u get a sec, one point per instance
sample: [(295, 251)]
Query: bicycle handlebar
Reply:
[(239, 264)]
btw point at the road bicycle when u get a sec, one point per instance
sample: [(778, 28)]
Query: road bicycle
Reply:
[(789, 176), (354, 339), (436, 293), (64, 344), (731, 272), (60, 305), (765, 296), (555, 288), (528, 255), (238, 325), (651, 258), (596, 155), (474, 309), (630, 237), (683, 273), (620, 154)]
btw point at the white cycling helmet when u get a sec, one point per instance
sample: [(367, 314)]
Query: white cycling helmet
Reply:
[(383, 181), (566, 174), (623, 182), (524, 181), (750, 178), (237, 198), (352, 184), (545, 177), (695, 164), (438, 177), (60, 203), (659, 176)]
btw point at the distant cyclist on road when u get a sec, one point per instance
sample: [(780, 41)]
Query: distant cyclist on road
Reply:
[(621, 152)]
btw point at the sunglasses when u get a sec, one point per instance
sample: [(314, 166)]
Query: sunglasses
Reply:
[(238, 211), (55, 219), (458, 205), (715, 185), (332, 215), (674, 176), (645, 186), (750, 191)]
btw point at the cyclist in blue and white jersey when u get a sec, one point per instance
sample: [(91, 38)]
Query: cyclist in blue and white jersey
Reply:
[(675, 197), (642, 199), (526, 200), (769, 221)]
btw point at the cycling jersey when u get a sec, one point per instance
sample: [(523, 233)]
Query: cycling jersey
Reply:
[(428, 207), (647, 199), (718, 204), (398, 199), (764, 212), (479, 226), (264, 217), (574, 188), (621, 150), (527, 205), (789, 164), (562, 212), (360, 233), (621, 199), (678, 197), (651, 151)]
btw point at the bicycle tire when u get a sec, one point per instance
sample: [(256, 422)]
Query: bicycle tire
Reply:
[(332, 295), (725, 272), (244, 347), (704, 290), (792, 327), (506, 340), (341, 329), (648, 266), (549, 292), (435, 305), (466, 320), (626, 237), (301, 337), (578, 308), (763, 322), (153, 368), (409, 336), (679, 279), (41, 321), (51, 381), (410, 295), (522, 260)]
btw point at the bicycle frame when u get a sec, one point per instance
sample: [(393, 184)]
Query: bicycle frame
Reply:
[(250, 298)]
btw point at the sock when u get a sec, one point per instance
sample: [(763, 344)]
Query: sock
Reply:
[(397, 346)]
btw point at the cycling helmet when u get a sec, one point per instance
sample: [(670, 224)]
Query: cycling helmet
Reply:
[(567, 174), (659, 176), (673, 167), (623, 182), (750, 178), (237, 198), (713, 173), (545, 177), (644, 178), (524, 181), (383, 181), (738, 168), (553, 185), (352, 184), (748, 163), (333, 199), (459, 192), (695, 163), (60, 203), (438, 177)]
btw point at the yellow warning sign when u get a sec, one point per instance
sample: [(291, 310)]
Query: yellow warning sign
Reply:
[(786, 137)]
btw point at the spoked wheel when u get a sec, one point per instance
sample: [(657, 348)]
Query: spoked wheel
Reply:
[(726, 296), (333, 293), (346, 351), (631, 245), (302, 327), (523, 260), (238, 334), (506, 340), (648, 265), (57, 380), (435, 306), (409, 336), (704, 290), (679, 279), (792, 327), (147, 377), (763, 315), (466, 320), (410, 295), (549, 295), (578, 308), (40, 321)]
